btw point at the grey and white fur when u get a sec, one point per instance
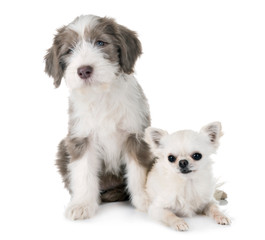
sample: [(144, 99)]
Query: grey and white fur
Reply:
[(103, 157)]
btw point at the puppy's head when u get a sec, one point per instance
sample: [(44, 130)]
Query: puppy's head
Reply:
[(186, 152), (91, 51)]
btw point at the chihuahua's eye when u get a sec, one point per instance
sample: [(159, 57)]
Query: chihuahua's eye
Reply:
[(196, 156), (100, 43), (171, 158)]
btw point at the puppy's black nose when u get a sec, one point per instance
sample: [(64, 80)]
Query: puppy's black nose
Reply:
[(84, 72), (183, 163)]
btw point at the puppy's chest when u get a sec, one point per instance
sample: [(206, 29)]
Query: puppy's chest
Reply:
[(100, 121), (99, 116)]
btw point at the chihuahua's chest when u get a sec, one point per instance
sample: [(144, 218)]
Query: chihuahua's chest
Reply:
[(192, 197), (184, 195)]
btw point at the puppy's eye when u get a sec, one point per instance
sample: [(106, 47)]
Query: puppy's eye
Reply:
[(196, 156), (100, 43), (171, 158), (69, 51)]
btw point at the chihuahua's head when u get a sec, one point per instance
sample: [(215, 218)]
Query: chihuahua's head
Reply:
[(185, 151)]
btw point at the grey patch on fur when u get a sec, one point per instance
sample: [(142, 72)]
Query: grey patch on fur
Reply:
[(130, 49), (140, 151), (62, 161), (113, 187), (105, 31), (55, 63), (125, 43), (118, 194), (76, 147), (68, 151)]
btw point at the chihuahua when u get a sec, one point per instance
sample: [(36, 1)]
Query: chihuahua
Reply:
[(181, 183)]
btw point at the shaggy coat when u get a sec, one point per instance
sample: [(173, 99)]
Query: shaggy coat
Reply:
[(103, 157)]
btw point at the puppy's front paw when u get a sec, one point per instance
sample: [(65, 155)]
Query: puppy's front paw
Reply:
[(80, 211), (140, 202), (222, 219), (179, 225)]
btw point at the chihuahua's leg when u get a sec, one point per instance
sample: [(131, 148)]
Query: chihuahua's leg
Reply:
[(168, 218), (84, 186), (213, 211)]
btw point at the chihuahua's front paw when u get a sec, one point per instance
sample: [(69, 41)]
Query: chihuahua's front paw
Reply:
[(80, 211), (222, 219), (140, 202), (179, 225)]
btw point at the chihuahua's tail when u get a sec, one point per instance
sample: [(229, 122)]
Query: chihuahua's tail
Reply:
[(220, 195)]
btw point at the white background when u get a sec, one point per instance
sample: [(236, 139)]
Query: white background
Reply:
[(203, 61)]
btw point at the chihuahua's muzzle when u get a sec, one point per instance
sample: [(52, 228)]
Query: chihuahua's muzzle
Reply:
[(184, 166)]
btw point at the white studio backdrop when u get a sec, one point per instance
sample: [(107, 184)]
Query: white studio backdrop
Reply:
[(203, 61)]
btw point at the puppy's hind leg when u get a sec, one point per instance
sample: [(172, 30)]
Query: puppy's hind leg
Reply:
[(139, 160), (136, 178)]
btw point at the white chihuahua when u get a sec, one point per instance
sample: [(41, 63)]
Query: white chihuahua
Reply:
[(181, 183)]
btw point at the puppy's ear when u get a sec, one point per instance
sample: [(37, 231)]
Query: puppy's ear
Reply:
[(130, 49), (214, 132), (153, 136), (53, 66)]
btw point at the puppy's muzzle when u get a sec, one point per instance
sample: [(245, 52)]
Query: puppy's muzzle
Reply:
[(84, 72), (184, 166)]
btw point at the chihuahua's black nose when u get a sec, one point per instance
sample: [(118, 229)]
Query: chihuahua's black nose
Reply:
[(84, 72), (183, 163)]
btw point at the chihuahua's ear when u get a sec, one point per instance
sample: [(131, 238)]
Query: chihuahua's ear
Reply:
[(153, 136), (214, 132)]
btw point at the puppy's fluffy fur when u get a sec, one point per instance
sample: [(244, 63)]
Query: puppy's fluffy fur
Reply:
[(181, 181), (108, 114)]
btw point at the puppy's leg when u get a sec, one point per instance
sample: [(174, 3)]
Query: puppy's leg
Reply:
[(213, 211), (84, 186), (139, 160), (168, 218), (136, 179)]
